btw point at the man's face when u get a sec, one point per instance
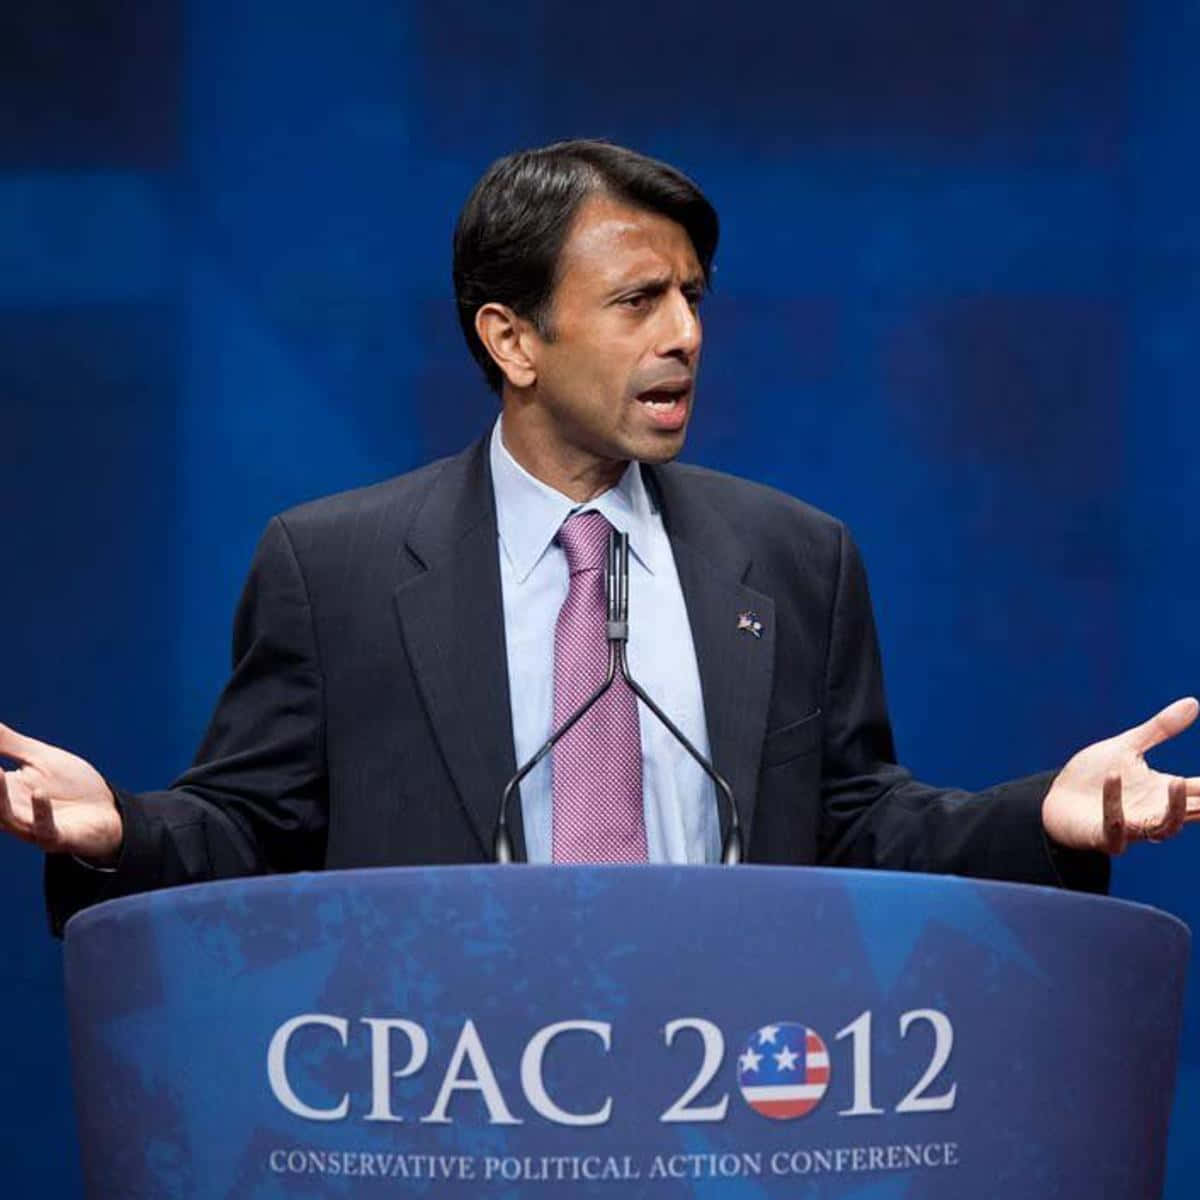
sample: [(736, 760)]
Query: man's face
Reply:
[(615, 382)]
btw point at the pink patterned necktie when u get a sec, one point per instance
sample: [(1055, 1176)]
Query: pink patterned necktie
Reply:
[(598, 814)]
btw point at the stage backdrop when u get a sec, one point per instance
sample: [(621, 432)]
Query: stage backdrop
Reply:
[(955, 304)]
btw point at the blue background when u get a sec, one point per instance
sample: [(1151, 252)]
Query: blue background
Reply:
[(956, 305)]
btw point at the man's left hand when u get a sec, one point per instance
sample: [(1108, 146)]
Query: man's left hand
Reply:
[(1107, 796)]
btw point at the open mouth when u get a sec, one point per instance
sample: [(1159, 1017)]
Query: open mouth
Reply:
[(661, 399), (667, 405), (666, 395)]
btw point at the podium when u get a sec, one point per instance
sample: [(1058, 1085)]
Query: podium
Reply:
[(635, 1031)]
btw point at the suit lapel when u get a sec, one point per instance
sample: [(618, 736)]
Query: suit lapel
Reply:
[(736, 668), (451, 615)]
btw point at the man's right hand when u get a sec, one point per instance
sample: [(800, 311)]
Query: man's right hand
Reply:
[(57, 801)]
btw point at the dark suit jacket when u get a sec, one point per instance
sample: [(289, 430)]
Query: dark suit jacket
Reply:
[(367, 721)]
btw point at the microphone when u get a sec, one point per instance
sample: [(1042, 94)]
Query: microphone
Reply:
[(618, 634), (617, 629)]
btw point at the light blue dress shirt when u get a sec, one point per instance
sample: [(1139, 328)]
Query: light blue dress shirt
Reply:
[(680, 803)]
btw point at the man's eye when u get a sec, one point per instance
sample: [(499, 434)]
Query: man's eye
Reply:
[(636, 301)]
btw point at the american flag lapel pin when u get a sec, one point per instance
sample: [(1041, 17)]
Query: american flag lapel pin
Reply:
[(748, 622)]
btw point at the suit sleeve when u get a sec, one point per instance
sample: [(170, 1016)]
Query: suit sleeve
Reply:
[(256, 799), (874, 814)]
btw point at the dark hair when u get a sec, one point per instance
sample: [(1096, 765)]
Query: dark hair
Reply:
[(513, 226)]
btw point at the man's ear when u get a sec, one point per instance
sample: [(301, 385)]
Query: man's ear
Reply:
[(508, 339)]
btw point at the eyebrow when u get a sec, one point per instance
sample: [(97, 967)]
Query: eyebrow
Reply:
[(655, 286)]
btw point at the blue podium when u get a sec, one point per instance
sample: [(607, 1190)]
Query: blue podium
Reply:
[(640, 1031)]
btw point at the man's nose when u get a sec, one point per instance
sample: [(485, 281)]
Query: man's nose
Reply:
[(681, 335)]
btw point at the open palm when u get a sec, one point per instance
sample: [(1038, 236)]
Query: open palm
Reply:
[(57, 800), (1108, 796)]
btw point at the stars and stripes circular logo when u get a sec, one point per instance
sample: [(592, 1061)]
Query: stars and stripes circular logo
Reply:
[(783, 1071)]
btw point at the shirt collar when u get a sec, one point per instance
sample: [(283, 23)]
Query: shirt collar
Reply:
[(530, 512)]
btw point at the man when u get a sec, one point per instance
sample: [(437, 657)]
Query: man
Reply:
[(400, 649)]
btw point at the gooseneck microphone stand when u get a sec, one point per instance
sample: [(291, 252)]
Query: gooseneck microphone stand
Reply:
[(617, 629)]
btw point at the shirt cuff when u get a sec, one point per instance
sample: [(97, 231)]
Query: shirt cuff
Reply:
[(83, 862)]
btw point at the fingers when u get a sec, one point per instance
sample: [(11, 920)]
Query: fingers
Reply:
[(15, 745), (1172, 720), (1177, 806), (1175, 815), (7, 820), (1114, 818), (45, 832), (28, 813)]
